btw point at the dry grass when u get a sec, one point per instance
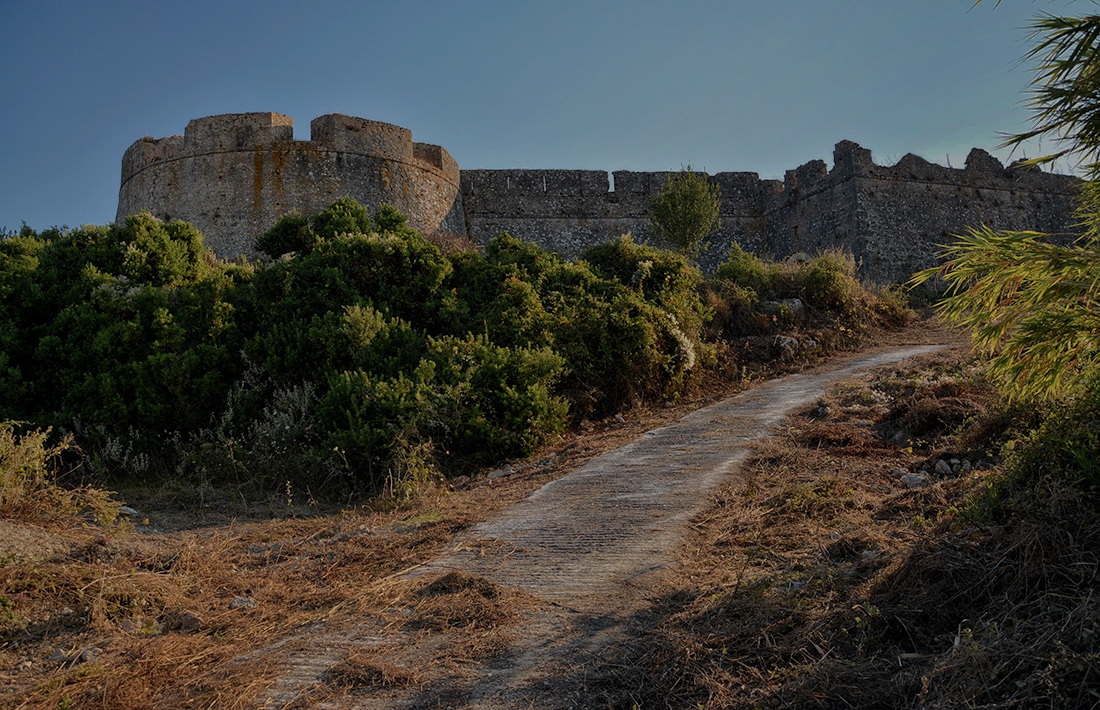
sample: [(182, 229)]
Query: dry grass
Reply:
[(819, 581), (29, 481), (125, 621)]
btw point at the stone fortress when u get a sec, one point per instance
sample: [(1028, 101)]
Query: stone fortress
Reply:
[(233, 175)]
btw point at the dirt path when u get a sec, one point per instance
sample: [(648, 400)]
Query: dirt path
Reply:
[(584, 551)]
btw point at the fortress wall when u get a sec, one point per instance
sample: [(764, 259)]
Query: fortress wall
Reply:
[(571, 210), (233, 176), (908, 211), (892, 219)]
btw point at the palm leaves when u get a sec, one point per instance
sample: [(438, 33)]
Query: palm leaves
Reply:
[(1032, 305), (1029, 303), (1065, 93)]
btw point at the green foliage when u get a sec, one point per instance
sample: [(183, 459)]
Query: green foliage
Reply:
[(828, 281), (626, 320), (131, 325), (1065, 87), (1030, 304), (825, 284), (474, 401), (1067, 442), (358, 354), (748, 271), (662, 278), (686, 212)]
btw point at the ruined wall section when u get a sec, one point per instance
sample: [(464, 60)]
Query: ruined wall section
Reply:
[(895, 219), (234, 175), (892, 219), (571, 210)]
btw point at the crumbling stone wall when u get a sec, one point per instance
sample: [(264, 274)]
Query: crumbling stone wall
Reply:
[(571, 210), (234, 175), (892, 219)]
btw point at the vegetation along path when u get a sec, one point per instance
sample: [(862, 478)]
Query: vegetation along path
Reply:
[(563, 565)]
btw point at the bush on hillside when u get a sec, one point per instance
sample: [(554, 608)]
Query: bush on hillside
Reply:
[(130, 325), (619, 341), (358, 347), (357, 351), (825, 284)]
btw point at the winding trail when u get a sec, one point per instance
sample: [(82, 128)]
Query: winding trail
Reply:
[(592, 543), (600, 530)]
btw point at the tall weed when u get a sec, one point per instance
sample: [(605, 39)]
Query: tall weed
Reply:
[(29, 486)]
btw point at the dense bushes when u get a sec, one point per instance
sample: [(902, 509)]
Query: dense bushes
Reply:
[(130, 325), (626, 318), (753, 297), (357, 350)]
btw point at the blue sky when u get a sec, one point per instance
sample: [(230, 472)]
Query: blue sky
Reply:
[(726, 85)]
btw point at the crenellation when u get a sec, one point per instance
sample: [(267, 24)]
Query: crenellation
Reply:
[(739, 187), (914, 167), (149, 150), (809, 176), (435, 158), (350, 134), (851, 159), (234, 175), (979, 161), (236, 131)]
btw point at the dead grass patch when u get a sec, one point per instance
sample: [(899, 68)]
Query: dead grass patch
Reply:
[(360, 670)]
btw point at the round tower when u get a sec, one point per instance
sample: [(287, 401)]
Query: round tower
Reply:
[(234, 175)]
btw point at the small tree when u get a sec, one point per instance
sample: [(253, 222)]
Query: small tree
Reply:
[(685, 212)]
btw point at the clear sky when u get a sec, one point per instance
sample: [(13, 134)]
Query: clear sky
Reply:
[(725, 85)]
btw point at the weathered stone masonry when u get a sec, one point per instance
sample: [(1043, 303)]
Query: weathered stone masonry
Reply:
[(233, 175)]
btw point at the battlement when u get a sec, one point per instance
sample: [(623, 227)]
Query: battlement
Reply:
[(236, 131), (244, 132), (892, 217), (590, 193)]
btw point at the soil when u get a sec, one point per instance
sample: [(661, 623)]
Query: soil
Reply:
[(499, 594)]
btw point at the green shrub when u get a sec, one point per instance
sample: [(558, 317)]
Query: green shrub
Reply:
[(663, 279), (1067, 441), (828, 282), (621, 338), (825, 284), (129, 325), (686, 212), (358, 353), (747, 271), (473, 402)]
